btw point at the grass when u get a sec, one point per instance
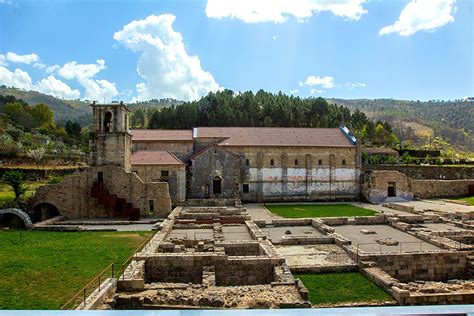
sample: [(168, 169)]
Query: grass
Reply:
[(42, 270), (318, 210), (468, 199), (333, 288), (7, 194)]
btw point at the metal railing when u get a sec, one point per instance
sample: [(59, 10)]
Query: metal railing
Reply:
[(89, 288), (81, 296)]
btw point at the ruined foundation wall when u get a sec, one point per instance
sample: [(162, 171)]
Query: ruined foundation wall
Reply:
[(422, 266)]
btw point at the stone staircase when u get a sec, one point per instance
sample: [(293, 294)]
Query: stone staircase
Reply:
[(114, 206)]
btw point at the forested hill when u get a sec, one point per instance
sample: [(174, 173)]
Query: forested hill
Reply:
[(452, 120), (226, 108), (63, 109)]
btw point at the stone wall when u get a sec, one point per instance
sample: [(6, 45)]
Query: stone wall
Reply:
[(297, 173), (427, 172), (72, 197), (435, 266), (176, 179), (440, 188), (245, 271), (375, 185)]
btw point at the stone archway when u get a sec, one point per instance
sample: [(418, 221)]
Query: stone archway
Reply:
[(44, 211), (15, 218)]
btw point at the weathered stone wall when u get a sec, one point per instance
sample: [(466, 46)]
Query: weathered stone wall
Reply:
[(245, 271), (440, 188), (436, 266), (297, 173), (72, 197), (214, 163), (375, 185), (182, 149), (427, 172), (176, 179)]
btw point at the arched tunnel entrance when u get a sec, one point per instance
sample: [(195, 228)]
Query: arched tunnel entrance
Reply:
[(44, 211), (12, 221)]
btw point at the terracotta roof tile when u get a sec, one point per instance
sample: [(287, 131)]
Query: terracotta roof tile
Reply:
[(161, 135), (276, 136), (148, 157)]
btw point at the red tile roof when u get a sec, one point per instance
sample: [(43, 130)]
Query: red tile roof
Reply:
[(161, 135), (276, 136), (148, 157)]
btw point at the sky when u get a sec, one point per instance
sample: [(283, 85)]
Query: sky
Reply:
[(183, 49)]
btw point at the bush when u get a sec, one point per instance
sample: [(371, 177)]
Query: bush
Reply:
[(55, 180), (392, 160)]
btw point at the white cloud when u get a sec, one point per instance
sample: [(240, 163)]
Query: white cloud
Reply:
[(421, 15), (353, 85), (278, 11), (275, 37), (2, 60), (52, 69), (23, 59), (21, 79), (40, 66), (294, 91), (57, 88), (325, 82), (165, 65), (18, 78), (317, 91), (100, 90)]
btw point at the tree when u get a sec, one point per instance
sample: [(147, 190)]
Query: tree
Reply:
[(37, 155), (15, 180), (42, 115)]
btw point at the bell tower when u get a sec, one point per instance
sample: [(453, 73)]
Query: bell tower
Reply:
[(110, 135)]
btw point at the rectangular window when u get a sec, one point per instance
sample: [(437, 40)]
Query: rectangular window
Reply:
[(320, 162), (165, 173), (343, 162), (152, 205), (245, 188)]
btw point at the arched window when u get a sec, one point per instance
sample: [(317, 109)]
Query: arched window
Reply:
[(272, 162), (247, 162), (108, 122), (296, 162), (320, 162), (343, 162)]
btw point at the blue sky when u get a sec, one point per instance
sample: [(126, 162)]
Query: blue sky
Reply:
[(138, 50)]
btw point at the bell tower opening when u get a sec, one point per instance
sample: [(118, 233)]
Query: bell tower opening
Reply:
[(108, 122)]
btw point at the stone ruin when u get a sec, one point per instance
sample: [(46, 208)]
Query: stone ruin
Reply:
[(208, 257)]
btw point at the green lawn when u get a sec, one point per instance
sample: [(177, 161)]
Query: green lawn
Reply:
[(318, 210), (468, 199), (332, 288), (7, 194), (42, 270)]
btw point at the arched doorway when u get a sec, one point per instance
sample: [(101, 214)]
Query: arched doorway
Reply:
[(217, 186), (44, 211), (12, 221)]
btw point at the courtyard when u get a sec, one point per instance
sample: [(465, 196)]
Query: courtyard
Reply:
[(318, 210)]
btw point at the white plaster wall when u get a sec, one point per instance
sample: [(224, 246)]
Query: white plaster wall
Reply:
[(321, 174), (296, 188), (272, 189), (272, 174), (345, 174), (296, 174)]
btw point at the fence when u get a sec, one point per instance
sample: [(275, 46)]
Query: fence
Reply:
[(406, 246), (111, 270)]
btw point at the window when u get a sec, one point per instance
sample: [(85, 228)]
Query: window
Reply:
[(272, 162), (245, 188), (343, 162), (165, 173), (247, 162), (296, 162), (151, 203), (320, 162)]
